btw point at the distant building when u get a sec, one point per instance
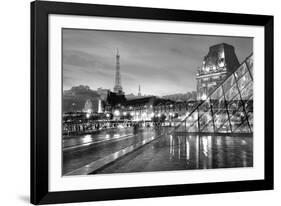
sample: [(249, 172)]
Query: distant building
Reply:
[(100, 106), (139, 95), (219, 63), (106, 104), (145, 108), (78, 98), (130, 96), (189, 96), (140, 107), (103, 93), (88, 106)]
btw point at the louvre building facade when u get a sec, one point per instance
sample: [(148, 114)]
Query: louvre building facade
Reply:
[(228, 109)]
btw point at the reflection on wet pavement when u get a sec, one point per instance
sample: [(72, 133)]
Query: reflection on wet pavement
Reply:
[(83, 150), (181, 152)]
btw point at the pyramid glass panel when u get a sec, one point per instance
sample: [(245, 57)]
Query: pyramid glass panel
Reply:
[(220, 118), (232, 93), (229, 109), (247, 92), (250, 120), (204, 107), (249, 106), (243, 128), (249, 62), (208, 128), (244, 80), (206, 120), (237, 118), (217, 94), (193, 117), (218, 105), (217, 101), (241, 71), (224, 127), (181, 128), (194, 127), (191, 122), (228, 83), (234, 106)]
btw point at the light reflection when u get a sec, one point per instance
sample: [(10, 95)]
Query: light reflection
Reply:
[(179, 147), (120, 126), (218, 142), (243, 142), (209, 151), (115, 155), (204, 97), (244, 158), (187, 149), (205, 146), (87, 138), (171, 146), (197, 153)]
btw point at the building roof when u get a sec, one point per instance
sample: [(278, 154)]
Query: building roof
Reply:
[(140, 101), (115, 99)]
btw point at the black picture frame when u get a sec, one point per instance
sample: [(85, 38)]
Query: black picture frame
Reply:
[(39, 102)]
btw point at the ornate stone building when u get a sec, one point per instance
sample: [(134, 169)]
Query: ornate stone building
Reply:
[(219, 63)]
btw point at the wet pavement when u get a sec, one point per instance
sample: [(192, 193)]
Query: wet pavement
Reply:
[(82, 151), (125, 150), (182, 152)]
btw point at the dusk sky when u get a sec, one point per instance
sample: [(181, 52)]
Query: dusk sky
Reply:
[(161, 63)]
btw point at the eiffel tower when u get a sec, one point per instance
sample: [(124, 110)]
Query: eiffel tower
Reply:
[(118, 88)]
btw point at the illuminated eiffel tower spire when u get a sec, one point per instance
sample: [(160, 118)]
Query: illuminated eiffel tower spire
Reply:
[(118, 87)]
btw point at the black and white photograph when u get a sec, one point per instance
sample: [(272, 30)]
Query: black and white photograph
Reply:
[(138, 102), (132, 103), (152, 102)]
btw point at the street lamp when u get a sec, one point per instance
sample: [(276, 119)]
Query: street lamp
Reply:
[(116, 113), (204, 97)]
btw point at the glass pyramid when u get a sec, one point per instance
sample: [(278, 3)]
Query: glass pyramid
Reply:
[(228, 109)]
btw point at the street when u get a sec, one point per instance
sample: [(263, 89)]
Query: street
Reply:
[(186, 152), (79, 151), (144, 149)]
